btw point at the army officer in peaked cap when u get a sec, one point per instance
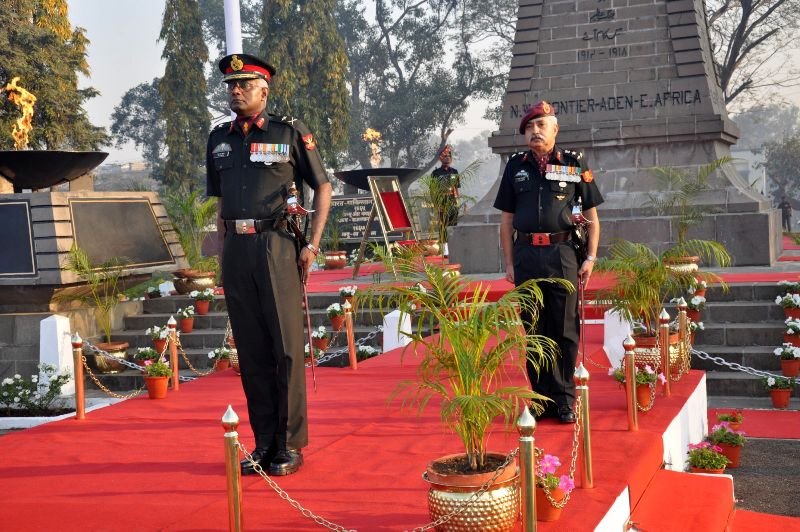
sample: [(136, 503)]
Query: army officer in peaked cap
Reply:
[(252, 162), (537, 193)]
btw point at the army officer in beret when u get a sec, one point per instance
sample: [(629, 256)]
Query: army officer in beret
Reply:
[(252, 163), (537, 193)]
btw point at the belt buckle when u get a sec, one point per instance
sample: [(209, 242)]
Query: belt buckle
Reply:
[(540, 239), (246, 227)]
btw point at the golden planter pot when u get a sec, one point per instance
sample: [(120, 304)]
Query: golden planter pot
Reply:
[(102, 364), (496, 509)]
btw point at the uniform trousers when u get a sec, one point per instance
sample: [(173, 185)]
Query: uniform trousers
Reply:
[(558, 316), (263, 294)]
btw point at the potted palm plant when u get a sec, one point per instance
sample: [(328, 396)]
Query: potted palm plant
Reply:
[(468, 365), (103, 290), (646, 280)]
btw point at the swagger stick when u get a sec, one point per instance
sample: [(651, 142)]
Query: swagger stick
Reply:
[(308, 329)]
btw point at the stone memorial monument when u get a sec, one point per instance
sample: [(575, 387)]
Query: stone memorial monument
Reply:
[(634, 87)]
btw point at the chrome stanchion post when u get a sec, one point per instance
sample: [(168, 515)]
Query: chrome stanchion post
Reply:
[(663, 333), (233, 472), (582, 387), (526, 426), (77, 362), (173, 352), (351, 342), (629, 344)]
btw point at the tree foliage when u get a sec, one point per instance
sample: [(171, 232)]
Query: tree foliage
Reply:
[(752, 42), (783, 165), (183, 93), (38, 45), (416, 68), (138, 119), (309, 55)]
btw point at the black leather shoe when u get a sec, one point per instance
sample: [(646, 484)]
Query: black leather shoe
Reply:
[(566, 415), (286, 463), (261, 456)]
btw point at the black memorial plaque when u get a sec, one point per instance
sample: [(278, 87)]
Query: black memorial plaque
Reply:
[(16, 240), (126, 228), (351, 213)]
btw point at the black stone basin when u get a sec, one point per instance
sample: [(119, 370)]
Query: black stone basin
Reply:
[(35, 169), (358, 178)]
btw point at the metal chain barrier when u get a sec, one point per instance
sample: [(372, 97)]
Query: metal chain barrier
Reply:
[(573, 460), (97, 382), (188, 363), (338, 528), (334, 354), (733, 365)]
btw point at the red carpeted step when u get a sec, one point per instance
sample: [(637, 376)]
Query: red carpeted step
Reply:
[(784, 424), (746, 521), (677, 501)]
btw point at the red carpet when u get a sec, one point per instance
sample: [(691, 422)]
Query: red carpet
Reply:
[(764, 423), (158, 465)]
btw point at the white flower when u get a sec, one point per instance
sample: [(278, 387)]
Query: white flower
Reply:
[(778, 351), (778, 300), (347, 291), (194, 293), (771, 381), (610, 371), (34, 378), (17, 376), (16, 399), (211, 354), (7, 381)]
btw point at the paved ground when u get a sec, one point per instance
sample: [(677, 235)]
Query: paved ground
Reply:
[(768, 479)]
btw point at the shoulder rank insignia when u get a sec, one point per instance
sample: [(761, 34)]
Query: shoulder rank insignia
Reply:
[(309, 142), (587, 176)]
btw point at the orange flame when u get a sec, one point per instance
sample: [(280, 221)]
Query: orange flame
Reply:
[(24, 100), (374, 138)]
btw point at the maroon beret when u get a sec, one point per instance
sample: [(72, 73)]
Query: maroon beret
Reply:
[(542, 108)]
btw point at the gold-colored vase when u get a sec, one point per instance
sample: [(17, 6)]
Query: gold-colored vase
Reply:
[(496, 509)]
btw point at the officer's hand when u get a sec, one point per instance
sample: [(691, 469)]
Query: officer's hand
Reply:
[(510, 274), (304, 262), (586, 271)]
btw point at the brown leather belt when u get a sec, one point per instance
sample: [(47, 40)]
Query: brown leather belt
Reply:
[(544, 239), (250, 226)]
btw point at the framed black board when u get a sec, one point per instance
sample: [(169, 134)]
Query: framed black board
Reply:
[(16, 240), (351, 214)]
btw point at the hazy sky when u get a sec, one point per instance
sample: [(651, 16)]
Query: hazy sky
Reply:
[(123, 52)]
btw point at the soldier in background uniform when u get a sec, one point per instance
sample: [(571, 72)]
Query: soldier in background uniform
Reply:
[(252, 162), (448, 178), (536, 195), (786, 214)]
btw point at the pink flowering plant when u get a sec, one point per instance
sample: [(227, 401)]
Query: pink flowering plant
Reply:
[(547, 478), (706, 455), (157, 368), (722, 433)]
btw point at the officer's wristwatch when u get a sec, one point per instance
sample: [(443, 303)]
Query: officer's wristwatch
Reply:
[(591, 258), (313, 249)]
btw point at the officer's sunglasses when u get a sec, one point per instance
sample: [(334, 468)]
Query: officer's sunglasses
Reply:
[(243, 84)]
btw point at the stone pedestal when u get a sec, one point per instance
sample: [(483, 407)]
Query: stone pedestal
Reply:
[(634, 87)]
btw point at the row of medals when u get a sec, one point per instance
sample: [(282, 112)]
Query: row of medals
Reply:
[(269, 153)]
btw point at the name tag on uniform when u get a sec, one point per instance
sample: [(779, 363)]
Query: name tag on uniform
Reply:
[(557, 172), (269, 153)]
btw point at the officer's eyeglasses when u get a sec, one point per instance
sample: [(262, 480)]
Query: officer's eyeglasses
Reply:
[(243, 84)]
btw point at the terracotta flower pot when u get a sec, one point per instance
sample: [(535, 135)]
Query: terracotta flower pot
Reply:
[(187, 325), (732, 453), (222, 364), (643, 397), (700, 292), (201, 306), (545, 511), (335, 260), (321, 343), (707, 471), (693, 314), (780, 397), (793, 339), (156, 387), (790, 368), (793, 313), (160, 345), (337, 322)]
